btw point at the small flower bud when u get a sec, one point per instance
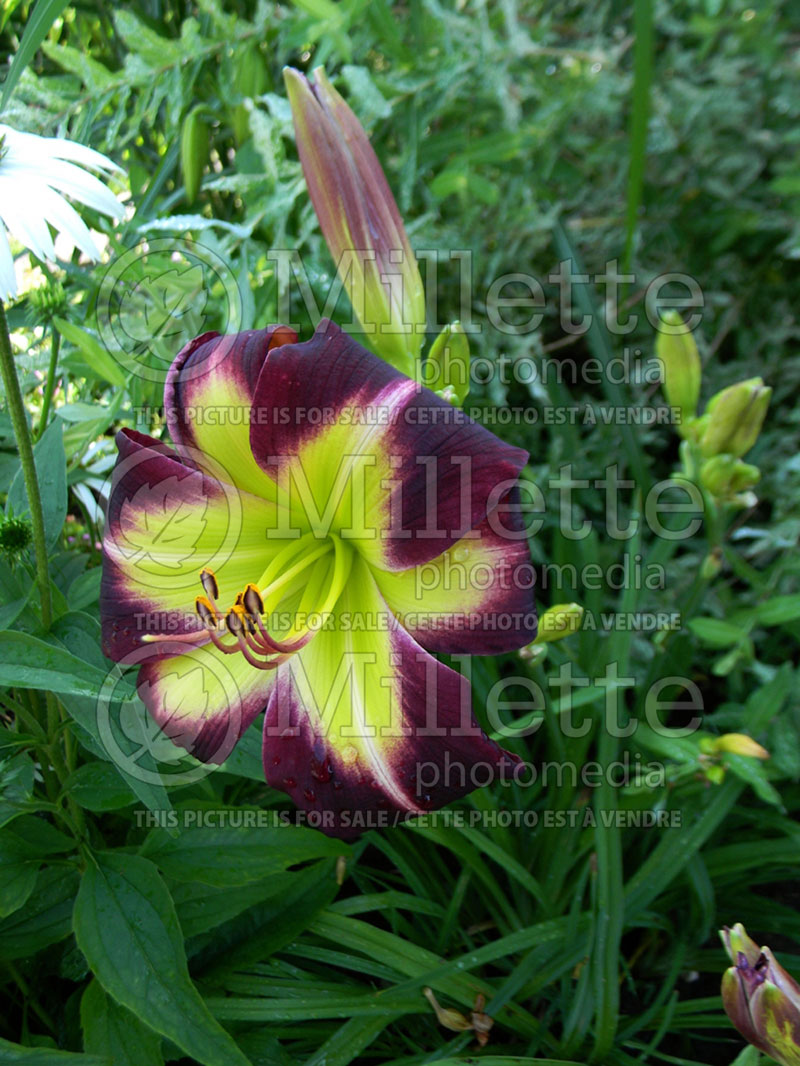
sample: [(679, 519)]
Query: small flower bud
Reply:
[(559, 621), (446, 369), (736, 415), (723, 475), (711, 565), (715, 773), (15, 537), (533, 653), (48, 300), (740, 744), (681, 369)]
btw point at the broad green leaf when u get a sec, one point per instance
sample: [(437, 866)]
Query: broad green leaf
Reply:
[(16, 1055), (96, 724), (126, 926), (778, 610), (717, 633), (16, 786), (85, 589), (97, 786), (115, 1034), (18, 872), (28, 662), (202, 907), (235, 855), (45, 919), (97, 357), (51, 472)]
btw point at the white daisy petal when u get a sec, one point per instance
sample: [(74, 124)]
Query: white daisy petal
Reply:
[(82, 186), (8, 279), (22, 215), (65, 219), (36, 176), (30, 146), (81, 153)]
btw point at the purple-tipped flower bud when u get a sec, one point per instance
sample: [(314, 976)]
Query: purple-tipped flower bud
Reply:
[(359, 220), (761, 998)]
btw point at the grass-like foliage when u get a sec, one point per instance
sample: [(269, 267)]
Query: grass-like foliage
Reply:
[(577, 910)]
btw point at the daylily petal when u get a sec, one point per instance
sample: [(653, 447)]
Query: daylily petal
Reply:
[(368, 453), (475, 598), (208, 400), (363, 721), (203, 699), (165, 523), (737, 1006)]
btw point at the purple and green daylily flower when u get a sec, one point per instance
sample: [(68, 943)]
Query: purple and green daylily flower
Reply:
[(324, 525)]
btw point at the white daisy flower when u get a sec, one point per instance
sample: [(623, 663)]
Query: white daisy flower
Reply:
[(36, 174)]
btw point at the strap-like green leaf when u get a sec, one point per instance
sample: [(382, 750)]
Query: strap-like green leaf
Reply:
[(44, 15)]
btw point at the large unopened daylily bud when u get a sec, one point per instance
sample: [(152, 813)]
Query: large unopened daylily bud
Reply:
[(194, 151), (736, 416), (359, 220), (681, 369), (761, 998)]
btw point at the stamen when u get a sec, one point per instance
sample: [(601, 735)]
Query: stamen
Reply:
[(205, 610), (209, 583), (252, 601)]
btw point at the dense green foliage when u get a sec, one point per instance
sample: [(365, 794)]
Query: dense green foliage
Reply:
[(513, 131)]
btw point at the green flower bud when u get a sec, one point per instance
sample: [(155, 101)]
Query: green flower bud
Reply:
[(533, 653), (761, 998), (681, 369), (194, 151), (711, 565), (15, 537), (251, 79), (736, 417), (446, 369), (738, 744), (48, 300), (723, 475), (559, 621)]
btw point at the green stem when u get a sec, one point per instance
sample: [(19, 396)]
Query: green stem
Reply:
[(16, 411), (50, 384)]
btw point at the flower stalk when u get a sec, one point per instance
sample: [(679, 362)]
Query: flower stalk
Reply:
[(16, 411)]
